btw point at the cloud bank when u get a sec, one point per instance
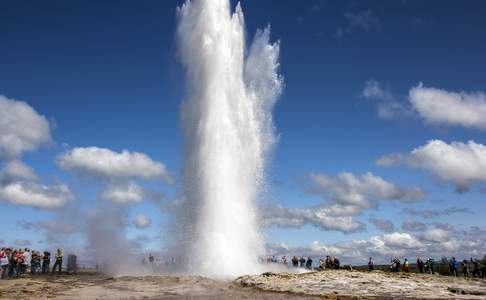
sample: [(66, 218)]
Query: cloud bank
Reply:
[(456, 163), (345, 196), (388, 106), (433, 213), (124, 193), (116, 170), (383, 225), (361, 191), (409, 225), (433, 105), (105, 163), (441, 107), (36, 195), (433, 242), (15, 170), (21, 128), (325, 217)]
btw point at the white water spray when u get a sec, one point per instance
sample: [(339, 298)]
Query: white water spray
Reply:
[(228, 133)]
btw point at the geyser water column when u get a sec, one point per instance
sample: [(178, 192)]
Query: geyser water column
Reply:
[(228, 133)]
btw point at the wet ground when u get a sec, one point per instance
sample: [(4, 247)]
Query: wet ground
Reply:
[(317, 285)]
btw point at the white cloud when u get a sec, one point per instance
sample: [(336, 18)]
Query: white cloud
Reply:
[(117, 171), (388, 106), (435, 106), (374, 90), (106, 163), (36, 195), (129, 192), (346, 196), (433, 213), (364, 20), (382, 248), (383, 225), (54, 227), (141, 221), (333, 250), (409, 225), (437, 235), (362, 190), (438, 106), (15, 170), (457, 163), (434, 243), (444, 226), (325, 217), (21, 128), (401, 240)]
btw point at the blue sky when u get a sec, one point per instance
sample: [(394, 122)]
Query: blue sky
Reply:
[(106, 74)]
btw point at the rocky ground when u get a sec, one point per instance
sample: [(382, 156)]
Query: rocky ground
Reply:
[(96, 286), (343, 284), (316, 285)]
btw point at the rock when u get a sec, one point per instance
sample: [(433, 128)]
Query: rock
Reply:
[(466, 291), (358, 284)]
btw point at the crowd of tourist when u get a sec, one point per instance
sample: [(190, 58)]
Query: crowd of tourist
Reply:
[(296, 261), (306, 262), (16, 262), (465, 266), (429, 266), (468, 268), (396, 265)]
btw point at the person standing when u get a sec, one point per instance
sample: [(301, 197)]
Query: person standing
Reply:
[(453, 266), (3, 263), (19, 262), (337, 263), (420, 265), (295, 261), (46, 261), (397, 263), (302, 262), (32, 262), (430, 265), (12, 258), (370, 264), (308, 263), (27, 259), (476, 268), (58, 262), (406, 266), (465, 269)]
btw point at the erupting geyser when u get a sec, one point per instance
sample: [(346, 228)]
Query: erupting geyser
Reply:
[(228, 132)]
